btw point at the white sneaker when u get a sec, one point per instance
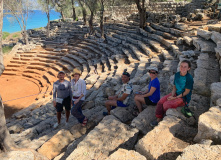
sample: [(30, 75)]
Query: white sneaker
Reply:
[(56, 125)]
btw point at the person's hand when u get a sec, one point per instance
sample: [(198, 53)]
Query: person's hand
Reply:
[(76, 101), (171, 98), (54, 103)]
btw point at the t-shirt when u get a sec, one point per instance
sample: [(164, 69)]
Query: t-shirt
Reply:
[(182, 83), (61, 89), (78, 88), (126, 88), (155, 97)]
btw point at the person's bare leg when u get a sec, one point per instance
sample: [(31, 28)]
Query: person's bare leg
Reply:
[(110, 103), (59, 117), (67, 113), (139, 101)]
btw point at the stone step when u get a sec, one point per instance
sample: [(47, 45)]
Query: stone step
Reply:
[(65, 65), (109, 132), (48, 56), (27, 55), (19, 62), (38, 67), (33, 71), (157, 142), (52, 53), (44, 60), (25, 58), (206, 73), (74, 57), (72, 62), (203, 45), (9, 73), (14, 65)]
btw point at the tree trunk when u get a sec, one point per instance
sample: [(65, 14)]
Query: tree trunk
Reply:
[(1, 23), (84, 12), (48, 16), (62, 15), (142, 12), (91, 23), (102, 19), (6, 142), (74, 14), (25, 35)]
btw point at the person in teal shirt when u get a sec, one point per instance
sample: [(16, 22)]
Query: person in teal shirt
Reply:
[(181, 93)]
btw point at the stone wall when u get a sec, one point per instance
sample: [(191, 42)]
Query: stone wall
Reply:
[(123, 13)]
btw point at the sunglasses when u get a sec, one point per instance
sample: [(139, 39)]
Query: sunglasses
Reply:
[(126, 74), (152, 72)]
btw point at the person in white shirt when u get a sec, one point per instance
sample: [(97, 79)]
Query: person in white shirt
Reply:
[(121, 99), (78, 86)]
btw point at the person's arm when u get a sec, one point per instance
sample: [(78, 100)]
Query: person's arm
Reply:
[(123, 97), (187, 91), (173, 94), (152, 90), (54, 95)]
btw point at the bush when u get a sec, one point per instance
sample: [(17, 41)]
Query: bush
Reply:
[(6, 49), (5, 35)]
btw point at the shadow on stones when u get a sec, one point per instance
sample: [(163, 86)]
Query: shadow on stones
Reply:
[(10, 110), (169, 156), (184, 132)]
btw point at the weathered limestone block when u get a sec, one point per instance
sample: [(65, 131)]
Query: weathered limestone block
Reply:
[(204, 33), (218, 102), (215, 92), (142, 121), (123, 154), (167, 55), (188, 40), (201, 151), (22, 155), (209, 125), (54, 146), (203, 45), (103, 139), (161, 141), (181, 26), (216, 37), (123, 114)]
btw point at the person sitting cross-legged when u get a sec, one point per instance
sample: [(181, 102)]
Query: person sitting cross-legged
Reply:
[(181, 93), (122, 99), (152, 95)]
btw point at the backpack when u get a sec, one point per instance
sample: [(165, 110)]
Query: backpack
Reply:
[(187, 112)]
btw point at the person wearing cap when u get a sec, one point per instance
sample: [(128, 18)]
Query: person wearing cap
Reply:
[(62, 97), (121, 99), (78, 91), (152, 95), (181, 93)]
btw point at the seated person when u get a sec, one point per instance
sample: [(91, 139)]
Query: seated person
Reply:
[(152, 95), (181, 93), (122, 99)]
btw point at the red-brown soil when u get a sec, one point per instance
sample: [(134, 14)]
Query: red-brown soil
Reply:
[(14, 87)]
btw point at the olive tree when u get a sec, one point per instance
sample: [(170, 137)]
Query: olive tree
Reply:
[(6, 142)]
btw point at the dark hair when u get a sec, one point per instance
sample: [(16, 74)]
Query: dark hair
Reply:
[(188, 62), (126, 74)]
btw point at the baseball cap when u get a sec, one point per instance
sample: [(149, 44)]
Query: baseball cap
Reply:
[(61, 72), (152, 68), (126, 74)]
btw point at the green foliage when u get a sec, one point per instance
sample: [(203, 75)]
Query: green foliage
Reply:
[(5, 35), (6, 49), (15, 35)]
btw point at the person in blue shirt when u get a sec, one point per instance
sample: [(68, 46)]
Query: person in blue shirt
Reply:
[(181, 93), (152, 95)]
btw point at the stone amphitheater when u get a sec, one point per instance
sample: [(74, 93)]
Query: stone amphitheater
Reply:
[(120, 136)]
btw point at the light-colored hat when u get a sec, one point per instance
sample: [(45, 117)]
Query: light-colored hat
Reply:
[(76, 71), (61, 72), (152, 68)]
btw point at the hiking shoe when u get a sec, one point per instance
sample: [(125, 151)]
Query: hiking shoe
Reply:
[(154, 123), (55, 125), (105, 113)]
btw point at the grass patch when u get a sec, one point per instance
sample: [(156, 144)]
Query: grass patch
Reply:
[(5, 35), (40, 28), (6, 49), (15, 35)]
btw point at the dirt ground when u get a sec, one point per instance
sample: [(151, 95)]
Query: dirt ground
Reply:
[(12, 89)]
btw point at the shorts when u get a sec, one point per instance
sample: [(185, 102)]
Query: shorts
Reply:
[(66, 103), (148, 101), (120, 104)]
